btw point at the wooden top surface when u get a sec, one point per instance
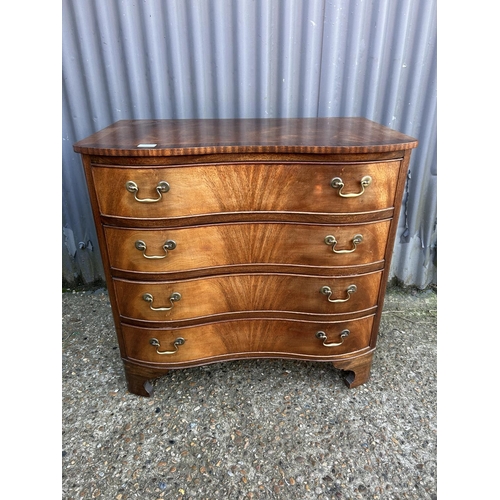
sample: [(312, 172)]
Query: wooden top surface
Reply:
[(247, 135)]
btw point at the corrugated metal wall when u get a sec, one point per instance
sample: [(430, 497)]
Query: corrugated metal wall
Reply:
[(125, 59)]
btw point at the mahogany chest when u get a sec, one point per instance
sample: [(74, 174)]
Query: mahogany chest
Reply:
[(227, 239)]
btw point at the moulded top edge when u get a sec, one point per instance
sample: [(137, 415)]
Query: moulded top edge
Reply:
[(247, 135)]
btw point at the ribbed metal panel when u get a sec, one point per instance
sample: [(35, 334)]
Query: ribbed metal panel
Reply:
[(125, 59)]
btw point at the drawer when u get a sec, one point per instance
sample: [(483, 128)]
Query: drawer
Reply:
[(247, 338), (242, 187), (240, 294), (246, 244)]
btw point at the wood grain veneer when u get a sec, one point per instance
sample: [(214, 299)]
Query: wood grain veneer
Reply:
[(233, 294), (214, 247), (239, 339), (245, 187)]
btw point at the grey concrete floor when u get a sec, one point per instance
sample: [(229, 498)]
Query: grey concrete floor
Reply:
[(271, 429)]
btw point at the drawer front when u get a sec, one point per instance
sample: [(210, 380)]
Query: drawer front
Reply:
[(228, 188), (247, 338), (203, 247), (241, 293)]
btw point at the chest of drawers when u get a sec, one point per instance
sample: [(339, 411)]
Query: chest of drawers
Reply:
[(245, 238)]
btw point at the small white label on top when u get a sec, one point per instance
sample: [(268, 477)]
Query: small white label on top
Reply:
[(147, 145)]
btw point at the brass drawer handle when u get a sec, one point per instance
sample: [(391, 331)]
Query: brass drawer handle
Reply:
[(322, 336), (162, 187), (168, 245), (176, 296), (177, 343), (331, 240), (337, 183), (326, 290)]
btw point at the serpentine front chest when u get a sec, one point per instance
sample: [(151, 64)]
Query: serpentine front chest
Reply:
[(245, 238)]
